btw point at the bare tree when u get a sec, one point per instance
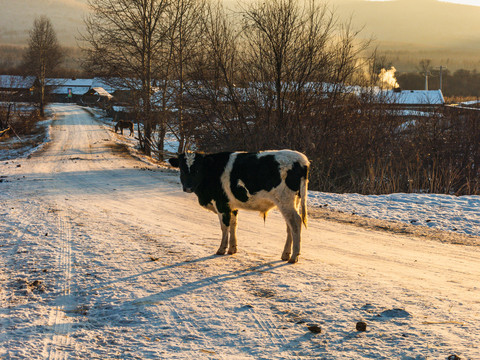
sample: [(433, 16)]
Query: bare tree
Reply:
[(217, 95), (270, 73), (124, 44), (43, 55), (286, 44), (184, 46)]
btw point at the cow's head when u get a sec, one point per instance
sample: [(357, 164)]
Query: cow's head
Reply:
[(191, 169)]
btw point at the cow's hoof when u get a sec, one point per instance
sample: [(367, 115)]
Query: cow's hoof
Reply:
[(232, 251), (220, 252), (293, 260), (286, 256)]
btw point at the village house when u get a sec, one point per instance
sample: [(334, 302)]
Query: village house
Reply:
[(16, 88), (63, 90), (96, 96)]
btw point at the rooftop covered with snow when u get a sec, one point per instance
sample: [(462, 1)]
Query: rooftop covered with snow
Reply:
[(413, 97)]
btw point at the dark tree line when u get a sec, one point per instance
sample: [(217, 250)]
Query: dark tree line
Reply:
[(380, 152), (260, 69), (277, 74)]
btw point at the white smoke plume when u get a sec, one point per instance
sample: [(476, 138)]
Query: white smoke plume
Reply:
[(387, 79)]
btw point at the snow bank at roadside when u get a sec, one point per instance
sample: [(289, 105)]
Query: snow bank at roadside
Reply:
[(460, 214), (27, 145)]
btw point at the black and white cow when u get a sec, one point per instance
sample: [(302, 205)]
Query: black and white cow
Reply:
[(226, 182)]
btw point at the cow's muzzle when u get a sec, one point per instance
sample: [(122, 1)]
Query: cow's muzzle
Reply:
[(187, 190)]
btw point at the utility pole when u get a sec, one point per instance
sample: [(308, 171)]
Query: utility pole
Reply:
[(425, 70), (441, 68)]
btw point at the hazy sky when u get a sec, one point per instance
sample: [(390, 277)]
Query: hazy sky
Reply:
[(462, 2), (428, 23)]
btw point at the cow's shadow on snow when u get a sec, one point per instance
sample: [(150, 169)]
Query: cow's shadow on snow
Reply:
[(130, 278), (128, 312), (187, 288)]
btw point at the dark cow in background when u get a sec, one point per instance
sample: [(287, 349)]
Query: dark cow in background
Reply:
[(122, 124), (226, 182)]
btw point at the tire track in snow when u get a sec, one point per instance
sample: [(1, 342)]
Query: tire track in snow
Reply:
[(271, 333), (58, 346), (176, 315), (275, 337), (184, 319)]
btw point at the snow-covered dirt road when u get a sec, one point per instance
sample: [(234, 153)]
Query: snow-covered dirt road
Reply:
[(104, 257)]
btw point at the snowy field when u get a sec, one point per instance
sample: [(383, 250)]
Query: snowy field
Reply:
[(102, 256), (459, 214)]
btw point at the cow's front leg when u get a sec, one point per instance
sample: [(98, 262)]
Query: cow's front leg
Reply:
[(232, 249), (224, 224)]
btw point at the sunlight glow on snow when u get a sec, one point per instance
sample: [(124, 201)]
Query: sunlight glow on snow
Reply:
[(463, 2)]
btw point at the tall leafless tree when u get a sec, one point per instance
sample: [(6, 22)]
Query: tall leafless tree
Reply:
[(124, 41), (43, 55), (214, 97), (289, 58), (185, 44), (269, 72)]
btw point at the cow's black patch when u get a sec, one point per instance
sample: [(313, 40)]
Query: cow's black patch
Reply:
[(226, 218), (295, 175), (256, 174), (210, 187)]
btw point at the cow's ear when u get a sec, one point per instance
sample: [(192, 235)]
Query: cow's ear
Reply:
[(174, 162)]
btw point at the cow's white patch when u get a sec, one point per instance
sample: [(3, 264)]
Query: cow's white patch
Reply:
[(211, 206), (286, 159), (225, 178), (242, 184), (189, 159)]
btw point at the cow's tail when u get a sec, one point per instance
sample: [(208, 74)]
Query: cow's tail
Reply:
[(303, 197)]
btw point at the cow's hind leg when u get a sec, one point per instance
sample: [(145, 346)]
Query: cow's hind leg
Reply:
[(294, 222), (232, 249), (224, 224), (288, 245)]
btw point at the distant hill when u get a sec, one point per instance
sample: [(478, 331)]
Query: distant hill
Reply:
[(409, 30), (406, 30), (428, 23), (16, 19)]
